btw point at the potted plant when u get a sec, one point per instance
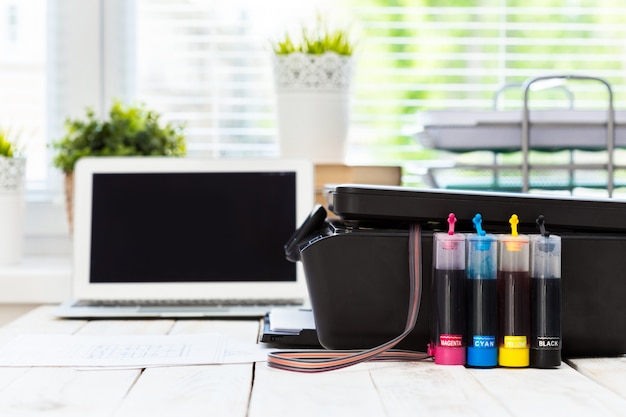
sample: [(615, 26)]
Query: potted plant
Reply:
[(131, 130), (313, 74), (12, 173)]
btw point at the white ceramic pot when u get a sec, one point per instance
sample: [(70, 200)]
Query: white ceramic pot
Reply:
[(12, 172), (313, 105)]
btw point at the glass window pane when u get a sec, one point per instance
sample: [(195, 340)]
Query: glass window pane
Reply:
[(23, 80)]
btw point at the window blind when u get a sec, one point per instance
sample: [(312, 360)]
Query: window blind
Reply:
[(208, 65), (457, 55)]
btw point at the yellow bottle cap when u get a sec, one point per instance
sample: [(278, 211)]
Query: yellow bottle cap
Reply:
[(514, 357)]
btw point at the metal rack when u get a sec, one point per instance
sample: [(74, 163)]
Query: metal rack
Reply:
[(506, 131), (610, 140)]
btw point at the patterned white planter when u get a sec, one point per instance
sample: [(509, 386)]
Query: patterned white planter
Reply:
[(313, 105), (12, 172)]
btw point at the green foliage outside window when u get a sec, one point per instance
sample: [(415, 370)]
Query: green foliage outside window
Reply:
[(489, 64)]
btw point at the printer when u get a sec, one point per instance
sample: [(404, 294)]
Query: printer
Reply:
[(357, 262)]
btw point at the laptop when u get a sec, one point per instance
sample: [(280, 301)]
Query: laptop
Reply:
[(183, 237)]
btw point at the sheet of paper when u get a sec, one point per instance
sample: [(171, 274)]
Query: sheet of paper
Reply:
[(128, 351), (290, 320)]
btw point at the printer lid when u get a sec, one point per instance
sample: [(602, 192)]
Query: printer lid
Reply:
[(406, 204)]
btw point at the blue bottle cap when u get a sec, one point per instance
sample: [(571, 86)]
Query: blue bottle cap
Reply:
[(482, 357), (482, 351)]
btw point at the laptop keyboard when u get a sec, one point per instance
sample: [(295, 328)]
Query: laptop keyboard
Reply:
[(188, 303)]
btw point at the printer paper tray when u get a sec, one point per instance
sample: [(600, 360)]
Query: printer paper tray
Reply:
[(466, 130)]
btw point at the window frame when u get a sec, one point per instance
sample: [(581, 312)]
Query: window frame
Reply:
[(80, 73)]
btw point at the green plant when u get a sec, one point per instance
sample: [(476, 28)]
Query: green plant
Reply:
[(316, 41), (130, 130), (7, 145)]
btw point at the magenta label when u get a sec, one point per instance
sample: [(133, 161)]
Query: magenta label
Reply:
[(451, 340)]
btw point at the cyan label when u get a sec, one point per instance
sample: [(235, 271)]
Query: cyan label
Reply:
[(484, 341)]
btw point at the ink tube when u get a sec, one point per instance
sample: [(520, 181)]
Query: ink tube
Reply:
[(482, 297), (448, 298), (545, 299), (513, 298)]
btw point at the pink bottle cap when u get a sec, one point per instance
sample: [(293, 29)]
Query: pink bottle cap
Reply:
[(445, 355)]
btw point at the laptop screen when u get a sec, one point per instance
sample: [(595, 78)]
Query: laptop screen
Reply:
[(192, 227)]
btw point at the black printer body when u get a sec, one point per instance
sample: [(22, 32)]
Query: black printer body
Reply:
[(357, 266)]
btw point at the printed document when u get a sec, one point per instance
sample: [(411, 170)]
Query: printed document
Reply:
[(128, 351)]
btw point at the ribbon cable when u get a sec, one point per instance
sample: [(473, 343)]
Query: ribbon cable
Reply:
[(316, 360)]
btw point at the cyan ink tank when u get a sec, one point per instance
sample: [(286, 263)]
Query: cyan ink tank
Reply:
[(448, 298), (545, 299), (482, 297), (513, 298)]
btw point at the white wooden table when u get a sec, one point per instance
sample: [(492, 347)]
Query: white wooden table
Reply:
[(583, 387)]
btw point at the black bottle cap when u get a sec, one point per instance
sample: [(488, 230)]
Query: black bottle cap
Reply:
[(544, 358)]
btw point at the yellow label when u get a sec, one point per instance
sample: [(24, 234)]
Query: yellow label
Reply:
[(515, 342)]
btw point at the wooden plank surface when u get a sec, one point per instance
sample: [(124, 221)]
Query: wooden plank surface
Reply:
[(609, 372), (217, 390), (587, 387), (41, 320), (126, 327), (374, 389), (8, 375), (529, 392), (427, 389), (212, 390), (32, 320), (10, 312), (167, 391), (246, 330), (66, 392), (60, 391), (345, 392), (423, 388)]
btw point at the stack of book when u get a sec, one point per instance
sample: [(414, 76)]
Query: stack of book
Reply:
[(327, 175)]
